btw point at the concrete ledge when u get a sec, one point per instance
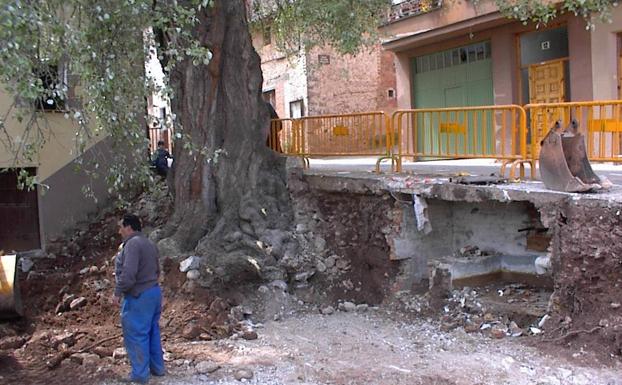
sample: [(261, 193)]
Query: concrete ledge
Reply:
[(468, 267)]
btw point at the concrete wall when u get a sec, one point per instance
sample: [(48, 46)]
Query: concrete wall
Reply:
[(489, 225), (604, 55), (58, 133), (64, 204), (580, 60)]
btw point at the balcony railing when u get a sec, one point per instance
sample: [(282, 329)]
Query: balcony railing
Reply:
[(410, 8)]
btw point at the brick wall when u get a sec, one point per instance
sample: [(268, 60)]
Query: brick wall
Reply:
[(344, 84)]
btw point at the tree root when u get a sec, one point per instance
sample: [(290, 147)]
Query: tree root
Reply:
[(574, 333), (60, 357)]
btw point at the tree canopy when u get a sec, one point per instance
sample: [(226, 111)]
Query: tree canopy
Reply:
[(102, 46)]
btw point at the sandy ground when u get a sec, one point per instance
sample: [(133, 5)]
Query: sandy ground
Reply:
[(377, 348)]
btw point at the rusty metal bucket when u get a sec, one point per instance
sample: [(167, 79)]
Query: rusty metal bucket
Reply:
[(564, 165), (10, 300)]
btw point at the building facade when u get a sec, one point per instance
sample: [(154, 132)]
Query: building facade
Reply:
[(320, 81), (464, 54), (29, 218)]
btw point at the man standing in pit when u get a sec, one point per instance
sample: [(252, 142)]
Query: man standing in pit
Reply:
[(137, 269)]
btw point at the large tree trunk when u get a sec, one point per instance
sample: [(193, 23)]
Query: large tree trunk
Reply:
[(231, 189)]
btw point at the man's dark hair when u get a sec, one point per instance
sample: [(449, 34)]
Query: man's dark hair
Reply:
[(131, 220), (160, 143)]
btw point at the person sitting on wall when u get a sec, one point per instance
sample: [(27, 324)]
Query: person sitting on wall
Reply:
[(160, 161), (273, 141)]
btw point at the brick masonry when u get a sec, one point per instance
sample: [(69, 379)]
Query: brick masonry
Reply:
[(344, 84), (327, 82)]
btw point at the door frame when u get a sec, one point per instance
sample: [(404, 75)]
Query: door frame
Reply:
[(517, 55), (619, 57)]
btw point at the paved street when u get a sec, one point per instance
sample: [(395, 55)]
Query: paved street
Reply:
[(444, 167)]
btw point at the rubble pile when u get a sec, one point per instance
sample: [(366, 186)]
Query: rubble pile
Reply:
[(465, 308)]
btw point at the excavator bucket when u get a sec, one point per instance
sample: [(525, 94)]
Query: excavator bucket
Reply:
[(10, 301), (576, 155), (555, 168)]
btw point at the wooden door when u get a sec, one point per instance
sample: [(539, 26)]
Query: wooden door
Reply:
[(546, 82), (19, 215), (546, 85)]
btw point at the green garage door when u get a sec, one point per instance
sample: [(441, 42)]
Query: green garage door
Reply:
[(454, 78)]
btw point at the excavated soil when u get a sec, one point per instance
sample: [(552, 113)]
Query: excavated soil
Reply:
[(406, 342), (354, 227), (83, 268), (587, 265)]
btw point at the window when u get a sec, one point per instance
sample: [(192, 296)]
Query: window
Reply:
[(54, 82), (444, 59), (296, 109), (270, 97)]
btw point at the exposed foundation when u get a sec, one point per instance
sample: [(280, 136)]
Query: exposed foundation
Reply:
[(567, 244)]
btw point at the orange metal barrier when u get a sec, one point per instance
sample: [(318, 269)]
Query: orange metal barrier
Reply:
[(496, 132), (282, 138), (361, 134), (510, 133), (599, 121)]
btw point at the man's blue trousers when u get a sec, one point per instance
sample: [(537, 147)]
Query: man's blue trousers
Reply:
[(140, 318)]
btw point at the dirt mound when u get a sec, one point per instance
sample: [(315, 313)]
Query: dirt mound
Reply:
[(69, 319)]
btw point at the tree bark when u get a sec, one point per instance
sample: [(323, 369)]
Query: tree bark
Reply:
[(235, 188)]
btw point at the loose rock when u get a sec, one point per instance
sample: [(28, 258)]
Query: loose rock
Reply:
[(204, 367), (330, 261), (328, 310), (63, 305), (249, 335), (349, 306), (77, 303), (26, 264), (279, 284), (193, 274), (102, 351), (190, 263), (243, 374), (515, 330), (498, 331), (86, 359), (119, 354), (191, 331), (320, 266), (66, 338), (12, 343)]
